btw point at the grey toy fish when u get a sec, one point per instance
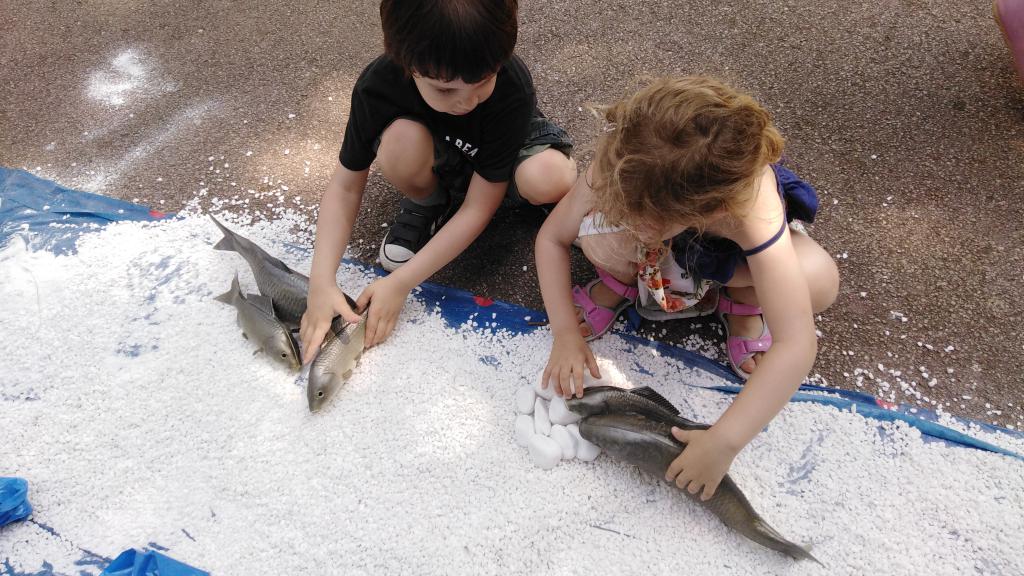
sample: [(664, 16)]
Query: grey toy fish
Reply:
[(649, 445), (333, 365), (644, 401), (284, 286), (261, 326)]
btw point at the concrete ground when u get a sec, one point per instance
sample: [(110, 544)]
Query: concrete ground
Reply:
[(906, 115)]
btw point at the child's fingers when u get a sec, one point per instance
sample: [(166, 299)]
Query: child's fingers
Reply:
[(364, 298), (592, 363), (311, 344), (674, 469), (709, 490), (577, 380), (694, 486), (390, 329), (681, 435), (347, 314), (372, 323), (563, 381)]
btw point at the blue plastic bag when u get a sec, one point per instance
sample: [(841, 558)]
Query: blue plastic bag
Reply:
[(131, 562), (14, 504)]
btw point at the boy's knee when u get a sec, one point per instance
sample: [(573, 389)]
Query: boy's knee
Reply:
[(406, 153), (546, 177)]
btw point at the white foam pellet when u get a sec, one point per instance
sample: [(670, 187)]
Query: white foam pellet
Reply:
[(525, 398), (541, 422), (565, 441), (545, 393), (585, 450), (559, 412), (142, 292), (524, 430), (545, 452)]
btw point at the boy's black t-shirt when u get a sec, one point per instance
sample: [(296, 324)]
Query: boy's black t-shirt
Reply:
[(489, 137)]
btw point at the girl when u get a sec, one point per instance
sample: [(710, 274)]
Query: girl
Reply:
[(683, 203)]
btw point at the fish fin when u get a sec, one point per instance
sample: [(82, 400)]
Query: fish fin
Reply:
[(798, 552), (228, 241), (263, 303), (687, 424), (351, 302), (229, 296), (235, 243), (652, 395)]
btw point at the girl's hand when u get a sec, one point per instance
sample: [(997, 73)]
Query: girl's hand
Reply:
[(322, 305), (569, 355), (385, 297), (703, 463)]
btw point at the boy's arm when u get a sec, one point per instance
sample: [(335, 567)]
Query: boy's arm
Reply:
[(338, 209), (388, 294), (569, 351)]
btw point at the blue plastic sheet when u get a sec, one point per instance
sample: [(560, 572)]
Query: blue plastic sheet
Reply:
[(29, 205), (132, 562), (14, 504), (51, 217)]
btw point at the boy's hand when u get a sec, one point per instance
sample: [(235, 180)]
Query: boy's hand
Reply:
[(569, 356), (323, 303), (385, 297), (703, 463)]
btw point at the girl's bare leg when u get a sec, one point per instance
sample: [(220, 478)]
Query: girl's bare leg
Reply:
[(614, 252), (822, 281)]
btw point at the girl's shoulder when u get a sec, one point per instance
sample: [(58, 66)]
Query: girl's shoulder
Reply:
[(758, 221)]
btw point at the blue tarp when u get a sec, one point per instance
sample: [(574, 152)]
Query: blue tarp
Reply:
[(134, 563), (52, 217), (28, 202), (30, 205), (14, 504)]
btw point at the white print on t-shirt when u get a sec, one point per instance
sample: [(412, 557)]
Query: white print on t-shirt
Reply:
[(465, 147)]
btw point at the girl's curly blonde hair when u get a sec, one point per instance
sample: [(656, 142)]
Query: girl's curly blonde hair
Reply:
[(678, 151)]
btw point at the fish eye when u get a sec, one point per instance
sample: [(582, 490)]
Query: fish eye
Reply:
[(284, 355), (320, 394)]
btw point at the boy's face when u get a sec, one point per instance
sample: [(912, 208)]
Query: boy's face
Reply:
[(455, 97)]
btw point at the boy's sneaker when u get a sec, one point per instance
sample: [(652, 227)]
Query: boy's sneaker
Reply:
[(414, 226)]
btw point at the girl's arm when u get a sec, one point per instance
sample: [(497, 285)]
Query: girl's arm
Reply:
[(569, 352), (784, 297)]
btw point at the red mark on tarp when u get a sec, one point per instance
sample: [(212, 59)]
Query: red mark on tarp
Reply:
[(156, 213), (482, 301), (885, 404)]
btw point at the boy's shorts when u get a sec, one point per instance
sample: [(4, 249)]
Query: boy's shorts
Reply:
[(454, 172)]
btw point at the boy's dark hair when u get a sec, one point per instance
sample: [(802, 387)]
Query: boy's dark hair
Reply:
[(450, 39)]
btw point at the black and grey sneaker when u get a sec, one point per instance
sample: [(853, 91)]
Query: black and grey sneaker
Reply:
[(414, 226)]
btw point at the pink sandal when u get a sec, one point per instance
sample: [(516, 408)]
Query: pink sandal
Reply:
[(601, 318), (741, 348)]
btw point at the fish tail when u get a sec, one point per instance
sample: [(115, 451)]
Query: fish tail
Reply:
[(231, 295), (772, 539), (228, 241), (797, 552)]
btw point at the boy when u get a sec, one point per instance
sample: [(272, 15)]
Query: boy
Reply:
[(447, 107)]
